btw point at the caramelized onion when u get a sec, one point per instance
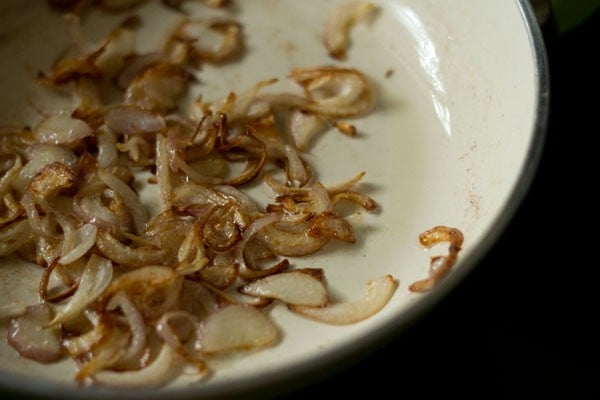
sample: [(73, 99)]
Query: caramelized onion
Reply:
[(440, 265), (147, 286)]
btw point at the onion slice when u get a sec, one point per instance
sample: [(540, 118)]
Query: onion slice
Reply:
[(32, 338), (340, 20), (85, 240), (291, 287), (379, 292), (95, 279), (163, 369), (237, 327)]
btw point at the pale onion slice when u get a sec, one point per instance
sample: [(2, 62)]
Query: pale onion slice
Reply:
[(128, 196), (95, 279), (31, 336), (176, 328), (132, 120), (13, 236), (379, 292), (303, 127), (85, 238), (61, 129), (159, 372), (107, 148), (137, 343), (237, 327), (339, 21), (163, 175), (291, 287), (440, 265), (197, 299)]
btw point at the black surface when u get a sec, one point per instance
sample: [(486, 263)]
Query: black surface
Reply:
[(525, 323)]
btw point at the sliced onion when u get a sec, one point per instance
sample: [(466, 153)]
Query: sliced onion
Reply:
[(174, 328), (85, 238), (339, 21), (164, 368), (152, 289), (137, 343), (40, 155), (439, 265), (61, 129), (107, 148), (96, 277), (79, 345), (158, 87), (31, 336), (14, 236), (129, 197), (9, 176), (291, 287), (303, 127), (211, 40), (237, 327), (132, 120), (379, 292)]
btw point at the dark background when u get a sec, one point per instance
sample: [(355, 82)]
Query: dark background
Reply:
[(524, 324)]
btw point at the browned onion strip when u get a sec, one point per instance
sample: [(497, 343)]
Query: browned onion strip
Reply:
[(44, 282), (339, 21), (212, 40), (440, 265)]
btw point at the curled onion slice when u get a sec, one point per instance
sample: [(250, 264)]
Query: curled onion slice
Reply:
[(440, 265), (379, 292), (96, 277), (161, 370)]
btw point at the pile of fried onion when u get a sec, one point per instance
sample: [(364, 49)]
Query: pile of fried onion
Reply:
[(135, 296)]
